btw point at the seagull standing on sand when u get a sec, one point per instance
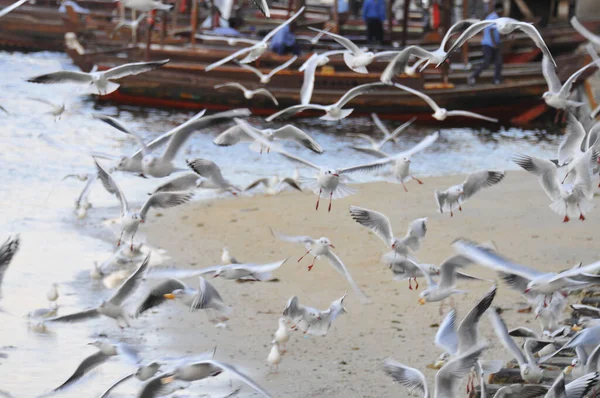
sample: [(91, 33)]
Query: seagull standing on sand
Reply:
[(442, 113), (274, 357), (112, 307), (249, 94), (281, 335), (227, 258), (106, 350), (382, 227), (334, 111), (101, 82), (328, 181), (255, 51), (322, 247), (130, 220), (264, 79), (453, 197)]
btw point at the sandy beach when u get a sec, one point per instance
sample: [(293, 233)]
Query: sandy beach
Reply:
[(348, 361)]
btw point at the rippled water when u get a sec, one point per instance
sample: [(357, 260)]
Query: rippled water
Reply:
[(56, 247)]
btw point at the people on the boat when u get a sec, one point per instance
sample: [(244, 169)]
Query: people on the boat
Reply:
[(492, 48), (374, 14), (76, 7), (231, 30), (284, 41)]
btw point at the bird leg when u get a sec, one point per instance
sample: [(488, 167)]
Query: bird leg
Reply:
[(564, 179), (459, 208), (304, 255), (581, 216), (410, 284), (313, 263), (417, 180), (451, 213), (566, 219), (120, 238), (404, 186), (318, 199), (330, 197), (416, 283)]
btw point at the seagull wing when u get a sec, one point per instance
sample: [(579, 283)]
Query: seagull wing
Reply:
[(250, 68), (467, 331), (177, 273), (584, 32), (115, 384), (307, 240), (416, 231), (116, 124), (565, 90), (479, 180), (465, 36), (410, 378), (425, 97), (293, 133), (446, 337), (534, 35), (231, 136), (165, 200), (156, 295), (308, 83), (347, 43), (7, 251), (255, 183), (448, 270), (356, 91), (490, 259), (154, 387), (277, 29), (86, 189), (293, 309), (231, 84), (131, 284), (292, 183), (449, 376), (11, 7), (472, 115), (370, 151), (239, 375), (507, 341), (206, 294), (76, 317), (460, 25), (398, 64), (382, 127), (292, 110), (545, 170), (184, 182), (111, 187), (230, 57), (339, 266), (375, 221), (397, 132), (84, 367), (208, 169), (266, 93), (133, 69), (62, 77), (283, 66), (557, 390), (549, 72), (523, 332), (259, 268), (570, 146)]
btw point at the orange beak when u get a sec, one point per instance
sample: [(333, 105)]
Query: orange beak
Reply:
[(332, 246), (421, 301), (169, 296)]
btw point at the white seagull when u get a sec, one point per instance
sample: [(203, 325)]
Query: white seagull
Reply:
[(209, 170), (558, 94), (56, 110), (132, 25), (256, 272), (375, 148), (453, 197), (442, 113), (309, 67), (249, 94), (314, 39), (113, 307), (275, 184), (142, 373), (311, 320), (130, 220), (266, 78), (100, 82), (382, 227), (328, 181), (254, 51), (446, 286), (333, 111)]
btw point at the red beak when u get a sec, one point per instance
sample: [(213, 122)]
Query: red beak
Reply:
[(216, 275), (337, 175), (142, 221), (393, 246), (332, 246), (527, 290)]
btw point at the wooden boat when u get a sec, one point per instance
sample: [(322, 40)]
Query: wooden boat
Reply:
[(183, 83)]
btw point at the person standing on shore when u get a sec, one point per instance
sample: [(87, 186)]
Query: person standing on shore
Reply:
[(492, 49), (374, 14)]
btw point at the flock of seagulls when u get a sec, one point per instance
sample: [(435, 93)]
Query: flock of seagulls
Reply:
[(463, 349)]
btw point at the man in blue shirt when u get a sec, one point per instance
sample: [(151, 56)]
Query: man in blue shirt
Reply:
[(284, 41), (373, 13), (491, 48)]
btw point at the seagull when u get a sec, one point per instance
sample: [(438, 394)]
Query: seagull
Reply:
[(275, 184), (322, 247), (100, 82), (558, 94), (130, 220), (133, 163), (355, 58), (249, 94), (133, 25), (540, 282), (447, 284), (442, 113), (106, 350), (11, 7), (309, 67), (143, 373), (583, 364), (263, 6), (256, 50), (400, 61), (205, 298), (236, 134), (333, 111), (56, 110), (52, 295), (328, 180), (184, 182), (209, 170), (375, 148), (274, 357), (578, 388), (256, 272), (7, 251), (504, 26), (382, 227), (530, 371), (113, 306), (594, 39), (194, 371), (146, 5), (568, 200), (386, 132), (311, 320), (82, 203), (446, 379), (264, 79), (456, 195), (227, 258), (281, 335), (314, 40)]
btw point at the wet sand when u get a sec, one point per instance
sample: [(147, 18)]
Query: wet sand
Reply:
[(348, 361)]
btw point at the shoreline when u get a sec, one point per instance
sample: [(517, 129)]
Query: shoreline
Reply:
[(513, 214)]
